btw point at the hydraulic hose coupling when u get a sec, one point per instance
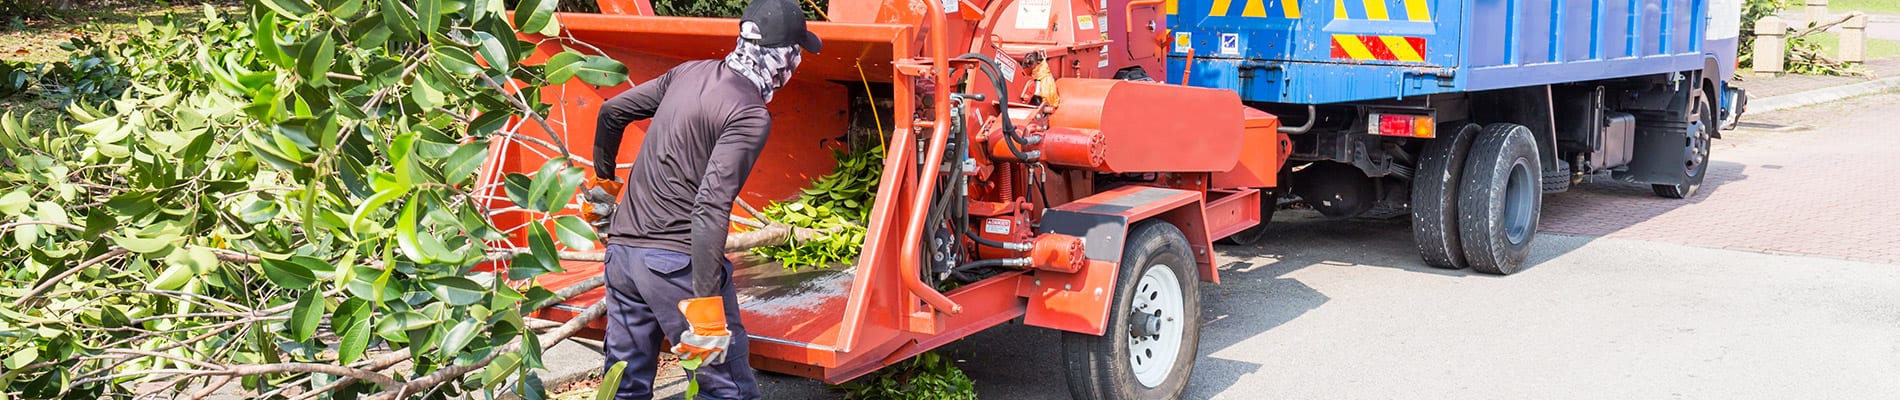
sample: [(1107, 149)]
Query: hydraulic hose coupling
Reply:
[(1057, 253)]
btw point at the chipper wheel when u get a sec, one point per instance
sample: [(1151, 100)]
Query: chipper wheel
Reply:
[(1154, 326), (1499, 202), (1435, 197)]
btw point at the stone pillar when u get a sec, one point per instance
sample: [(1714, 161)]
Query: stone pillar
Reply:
[(1854, 38), (1817, 11), (1771, 45)]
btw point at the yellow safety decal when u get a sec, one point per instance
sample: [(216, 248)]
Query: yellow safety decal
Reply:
[(1253, 9), (1375, 10), (1220, 8), (1400, 49), (1291, 7), (1418, 10), (1351, 45), (1174, 7)]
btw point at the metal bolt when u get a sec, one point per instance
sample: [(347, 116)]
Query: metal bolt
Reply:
[(1065, 286), (1038, 282)]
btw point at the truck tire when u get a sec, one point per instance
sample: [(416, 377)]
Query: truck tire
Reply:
[(1269, 202), (1435, 197), (1696, 137), (1500, 199), (1557, 180), (1153, 333)]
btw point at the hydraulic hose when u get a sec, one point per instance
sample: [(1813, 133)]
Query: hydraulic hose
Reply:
[(989, 67), (993, 243), (995, 262)]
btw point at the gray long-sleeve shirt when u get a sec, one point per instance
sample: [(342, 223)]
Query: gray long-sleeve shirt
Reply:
[(709, 124)]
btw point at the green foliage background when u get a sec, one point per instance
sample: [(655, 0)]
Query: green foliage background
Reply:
[(284, 188)]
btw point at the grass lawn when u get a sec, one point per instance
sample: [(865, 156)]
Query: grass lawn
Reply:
[(1866, 6), (1876, 48)]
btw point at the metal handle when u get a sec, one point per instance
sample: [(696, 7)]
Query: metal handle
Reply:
[(933, 160)]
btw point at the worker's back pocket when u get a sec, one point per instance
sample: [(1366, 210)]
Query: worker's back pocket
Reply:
[(665, 262)]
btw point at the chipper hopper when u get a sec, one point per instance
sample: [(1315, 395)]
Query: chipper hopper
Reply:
[(1033, 172)]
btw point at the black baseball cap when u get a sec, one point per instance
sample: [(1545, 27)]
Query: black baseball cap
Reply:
[(778, 23)]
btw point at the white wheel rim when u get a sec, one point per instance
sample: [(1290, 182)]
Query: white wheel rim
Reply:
[(1158, 293)]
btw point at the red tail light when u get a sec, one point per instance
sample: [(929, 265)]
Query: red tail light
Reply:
[(1403, 125)]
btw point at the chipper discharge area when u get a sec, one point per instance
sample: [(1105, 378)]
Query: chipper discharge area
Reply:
[(1032, 171)]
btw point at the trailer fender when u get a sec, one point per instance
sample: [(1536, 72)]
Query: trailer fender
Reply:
[(1079, 301)]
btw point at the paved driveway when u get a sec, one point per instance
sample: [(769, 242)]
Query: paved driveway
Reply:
[(1777, 282)]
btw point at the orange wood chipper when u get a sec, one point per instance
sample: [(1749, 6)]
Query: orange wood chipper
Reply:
[(1031, 164)]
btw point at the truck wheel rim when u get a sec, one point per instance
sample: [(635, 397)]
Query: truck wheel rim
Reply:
[(1158, 296), (1518, 195), (1696, 151)]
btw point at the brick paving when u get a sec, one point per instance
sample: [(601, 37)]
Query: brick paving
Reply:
[(1828, 190)]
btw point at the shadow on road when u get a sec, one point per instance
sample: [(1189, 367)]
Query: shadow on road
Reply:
[(1601, 206)]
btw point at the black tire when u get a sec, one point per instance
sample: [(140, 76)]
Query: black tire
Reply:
[(1500, 199), (1557, 180), (1101, 367), (1269, 202), (1696, 143), (1435, 197)]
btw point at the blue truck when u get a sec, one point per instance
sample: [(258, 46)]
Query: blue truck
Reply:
[(1465, 112)]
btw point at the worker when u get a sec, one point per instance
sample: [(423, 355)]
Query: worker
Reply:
[(667, 274)]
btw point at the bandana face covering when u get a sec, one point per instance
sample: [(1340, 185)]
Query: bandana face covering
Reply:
[(767, 67)]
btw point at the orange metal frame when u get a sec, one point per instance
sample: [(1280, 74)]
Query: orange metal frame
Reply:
[(886, 312)]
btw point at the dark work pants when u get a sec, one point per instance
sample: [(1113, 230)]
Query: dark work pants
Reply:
[(644, 288)]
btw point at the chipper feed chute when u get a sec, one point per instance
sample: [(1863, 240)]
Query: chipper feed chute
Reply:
[(1012, 174)]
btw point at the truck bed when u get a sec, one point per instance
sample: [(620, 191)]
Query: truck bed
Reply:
[(1318, 51)]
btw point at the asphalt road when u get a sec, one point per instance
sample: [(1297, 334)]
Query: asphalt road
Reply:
[(1344, 310)]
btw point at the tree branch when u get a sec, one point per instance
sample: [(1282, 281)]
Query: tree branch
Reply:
[(43, 287)]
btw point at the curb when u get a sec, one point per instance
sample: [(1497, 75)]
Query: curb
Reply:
[(1822, 95)]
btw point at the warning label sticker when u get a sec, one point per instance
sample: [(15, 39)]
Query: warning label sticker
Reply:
[(1033, 14), (1183, 41), (998, 226), (1084, 22), (1230, 44)]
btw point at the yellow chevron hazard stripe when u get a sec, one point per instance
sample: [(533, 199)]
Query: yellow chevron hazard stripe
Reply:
[(1353, 47), (1174, 7), (1417, 10), (1339, 9), (1220, 8), (1291, 8), (1253, 9), (1401, 49), (1375, 10)]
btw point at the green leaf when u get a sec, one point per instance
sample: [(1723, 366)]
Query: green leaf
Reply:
[(428, 15), (289, 274), (315, 59), (359, 219), (535, 15), (595, 70), (463, 162), (518, 188), (174, 277), (543, 247), (575, 233), (562, 185), (456, 60), (305, 317), (531, 350), (293, 9), (610, 380), (396, 327), (23, 357), (15, 202), (406, 234), (501, 368), (459, 336), (455, 290), (351, 319), (402, 24), (264, 34)]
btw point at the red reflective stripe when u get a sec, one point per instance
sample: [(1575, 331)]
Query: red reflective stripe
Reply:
[(1339, 52), (1379, 51), (1418, 45)]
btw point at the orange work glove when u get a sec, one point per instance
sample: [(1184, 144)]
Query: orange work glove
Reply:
[(708, 339), (597, 202)]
